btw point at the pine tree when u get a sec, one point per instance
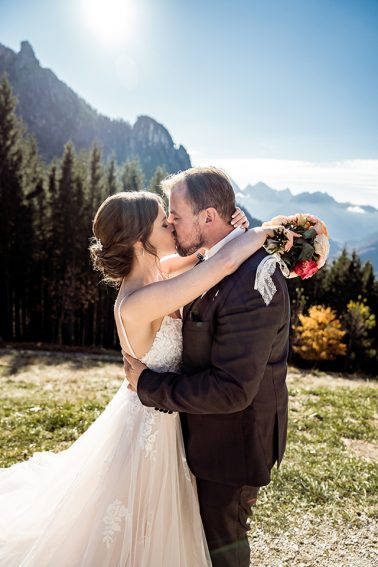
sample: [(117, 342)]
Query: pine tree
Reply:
[(38, 215), (155, 185), (96, 186), (15, 226), (50, 262), (64, 224), (342, 280), (132, 176), (359, 322), (368, 281), (111, 186)]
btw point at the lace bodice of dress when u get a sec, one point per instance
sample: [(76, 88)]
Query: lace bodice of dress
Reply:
[(165, 354)]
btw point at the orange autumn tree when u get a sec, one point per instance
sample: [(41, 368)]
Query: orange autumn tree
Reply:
[(319, 335)]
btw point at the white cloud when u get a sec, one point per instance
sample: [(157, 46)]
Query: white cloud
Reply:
[(356, 209), (355, 181)]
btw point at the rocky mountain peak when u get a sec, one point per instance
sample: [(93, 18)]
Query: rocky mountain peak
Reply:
[(26, 55), (151, 131), (43, 99)]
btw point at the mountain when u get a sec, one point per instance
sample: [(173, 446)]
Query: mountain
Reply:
[(367, 248), (263, 192), (260, 199), (346, 221), (370, 254), (353, 226), (364, 243), (252, 220), (54, 113)]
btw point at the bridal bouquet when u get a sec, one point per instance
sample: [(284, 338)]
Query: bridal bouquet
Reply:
[(299, 246), (302, 243)]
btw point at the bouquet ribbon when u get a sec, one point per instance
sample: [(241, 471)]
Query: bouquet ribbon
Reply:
[(263, 281)]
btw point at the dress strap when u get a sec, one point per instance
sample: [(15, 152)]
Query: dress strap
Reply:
[(124, 330)]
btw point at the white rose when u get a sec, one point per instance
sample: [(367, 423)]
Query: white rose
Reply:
[(321, 245)]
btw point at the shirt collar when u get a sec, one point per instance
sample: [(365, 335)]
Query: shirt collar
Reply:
[(214, 249)]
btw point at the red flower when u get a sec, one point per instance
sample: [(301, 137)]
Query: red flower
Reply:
[(306, 269)]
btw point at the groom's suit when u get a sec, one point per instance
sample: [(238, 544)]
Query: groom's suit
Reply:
[(232, 397)]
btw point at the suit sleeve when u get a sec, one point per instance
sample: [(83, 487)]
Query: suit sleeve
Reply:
[(245, 331)]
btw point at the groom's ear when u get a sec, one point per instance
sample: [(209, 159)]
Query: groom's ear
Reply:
[(211, 215)]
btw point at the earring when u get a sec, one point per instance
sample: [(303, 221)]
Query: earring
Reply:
[(142, 252)]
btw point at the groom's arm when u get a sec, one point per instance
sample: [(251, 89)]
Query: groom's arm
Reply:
[(246, 329)]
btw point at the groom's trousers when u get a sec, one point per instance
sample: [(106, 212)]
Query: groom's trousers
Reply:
[(225, 511)]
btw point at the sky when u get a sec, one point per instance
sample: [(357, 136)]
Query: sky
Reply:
[(280, 91)]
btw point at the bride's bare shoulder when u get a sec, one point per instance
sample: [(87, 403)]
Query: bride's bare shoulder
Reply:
[(132, 302), (139, 331)]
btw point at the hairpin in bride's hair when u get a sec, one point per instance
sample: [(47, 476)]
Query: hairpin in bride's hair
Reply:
[(99, 244)]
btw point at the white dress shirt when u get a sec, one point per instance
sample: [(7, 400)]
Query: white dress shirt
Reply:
[(214, 249)]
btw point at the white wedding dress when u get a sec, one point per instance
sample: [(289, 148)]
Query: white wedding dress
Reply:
[(121, 495)]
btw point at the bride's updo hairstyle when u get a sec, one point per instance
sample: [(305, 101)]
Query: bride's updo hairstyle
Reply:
[(121, 221)]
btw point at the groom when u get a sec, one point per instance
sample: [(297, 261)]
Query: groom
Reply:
[(231, 394)]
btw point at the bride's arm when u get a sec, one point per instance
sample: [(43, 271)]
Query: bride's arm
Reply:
[(162, 298), (174, 265)]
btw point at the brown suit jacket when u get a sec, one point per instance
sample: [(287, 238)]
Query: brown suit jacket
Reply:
[(231, 393)]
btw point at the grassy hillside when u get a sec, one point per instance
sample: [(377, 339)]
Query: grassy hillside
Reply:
[(319, 509)]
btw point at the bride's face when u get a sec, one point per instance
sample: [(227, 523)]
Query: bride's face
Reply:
[(162, 235)]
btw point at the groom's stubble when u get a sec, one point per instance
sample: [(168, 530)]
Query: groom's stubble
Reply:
[(198, 240)]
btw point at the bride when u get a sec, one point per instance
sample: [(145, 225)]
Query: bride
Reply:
[(122, 494)]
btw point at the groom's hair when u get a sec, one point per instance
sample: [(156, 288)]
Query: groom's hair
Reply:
[(205, 187)]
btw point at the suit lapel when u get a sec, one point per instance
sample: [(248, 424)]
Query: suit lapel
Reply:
[(188, 307), (187, 310)]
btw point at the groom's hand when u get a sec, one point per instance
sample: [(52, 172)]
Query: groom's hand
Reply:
[(133, 369)]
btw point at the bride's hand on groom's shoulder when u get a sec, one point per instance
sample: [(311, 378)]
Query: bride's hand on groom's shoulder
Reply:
[(133, 369), (239, 219)]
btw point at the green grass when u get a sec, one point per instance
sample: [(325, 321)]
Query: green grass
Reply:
[(328, 472), (321, 473), (44, 426), (47, 403)]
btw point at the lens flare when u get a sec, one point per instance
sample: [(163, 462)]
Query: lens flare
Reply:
[(111, 21)]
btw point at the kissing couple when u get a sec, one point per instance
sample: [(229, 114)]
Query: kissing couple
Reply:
[(167, 474)]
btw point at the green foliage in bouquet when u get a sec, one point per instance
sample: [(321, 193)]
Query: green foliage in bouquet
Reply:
[(303, 246), (301, 241)]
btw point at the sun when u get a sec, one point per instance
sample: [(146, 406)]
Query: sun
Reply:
[(110, 21)]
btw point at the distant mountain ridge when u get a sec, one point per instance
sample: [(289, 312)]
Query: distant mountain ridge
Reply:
[(54, 113), (367, 248), (348, 222), (354, 226)]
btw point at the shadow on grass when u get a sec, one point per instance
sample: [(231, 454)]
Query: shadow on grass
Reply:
[(318, 373), (22, 359)]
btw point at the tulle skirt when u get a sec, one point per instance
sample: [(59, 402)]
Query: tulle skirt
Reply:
[(121, 495)]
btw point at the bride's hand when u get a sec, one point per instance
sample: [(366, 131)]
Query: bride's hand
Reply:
[(133, 369), (239, 218), (290, 234)]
